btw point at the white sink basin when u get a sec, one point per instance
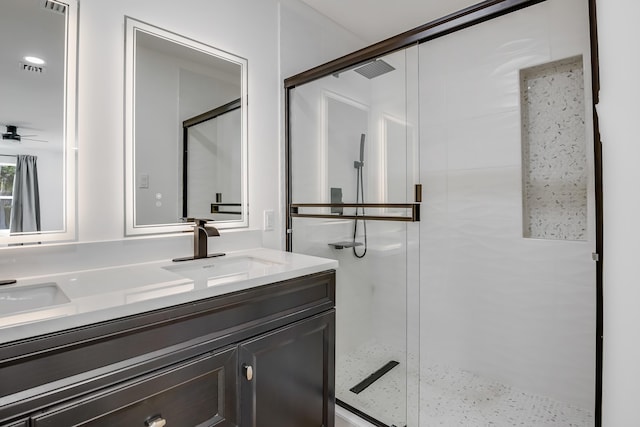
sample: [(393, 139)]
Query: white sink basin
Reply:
[(20, 304), (25, 298), (211, 269)]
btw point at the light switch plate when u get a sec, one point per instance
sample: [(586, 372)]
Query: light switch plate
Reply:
[(143, 180)]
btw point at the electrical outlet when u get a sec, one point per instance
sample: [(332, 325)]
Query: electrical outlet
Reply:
[(269, 220)]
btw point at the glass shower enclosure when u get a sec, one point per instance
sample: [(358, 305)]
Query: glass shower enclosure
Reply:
[(454, 179), (353, 174)]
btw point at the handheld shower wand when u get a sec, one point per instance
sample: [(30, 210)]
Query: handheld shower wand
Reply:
[(359, 165)]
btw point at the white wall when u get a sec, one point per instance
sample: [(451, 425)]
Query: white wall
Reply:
[(248, 29), (308, 39), (618, 34)]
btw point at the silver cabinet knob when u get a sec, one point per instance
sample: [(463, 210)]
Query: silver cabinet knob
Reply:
[(156, 421), (248, 372)]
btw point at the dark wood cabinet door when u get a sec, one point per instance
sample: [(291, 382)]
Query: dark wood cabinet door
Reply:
[(199, 392), (287, 376)]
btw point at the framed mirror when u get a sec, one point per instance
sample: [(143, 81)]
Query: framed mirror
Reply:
[(186, 132), (38, 47)]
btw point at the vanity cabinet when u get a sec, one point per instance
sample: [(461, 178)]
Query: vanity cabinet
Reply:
[(258, 357)]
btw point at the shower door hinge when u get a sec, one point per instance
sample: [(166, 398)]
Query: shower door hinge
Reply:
[(289, 230), (595, 256), (418, 193)]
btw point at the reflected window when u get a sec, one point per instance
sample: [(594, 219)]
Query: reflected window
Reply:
[(7, 173)]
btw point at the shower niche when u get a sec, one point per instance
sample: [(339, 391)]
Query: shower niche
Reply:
[(554, 150)]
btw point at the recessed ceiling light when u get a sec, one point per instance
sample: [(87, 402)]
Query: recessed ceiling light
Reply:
[(34, 60)]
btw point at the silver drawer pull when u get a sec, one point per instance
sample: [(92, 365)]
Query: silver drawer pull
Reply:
[(156, 421), (248, 372)]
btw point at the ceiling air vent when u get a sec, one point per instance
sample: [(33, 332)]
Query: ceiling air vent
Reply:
[(54, 6), (32, 69)]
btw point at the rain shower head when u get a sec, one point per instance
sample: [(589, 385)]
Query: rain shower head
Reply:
[(374, 69)]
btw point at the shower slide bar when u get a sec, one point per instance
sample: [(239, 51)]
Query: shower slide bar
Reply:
[(294, 211)]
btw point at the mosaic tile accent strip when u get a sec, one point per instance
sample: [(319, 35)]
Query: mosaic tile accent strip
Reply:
[(448, 396), (554, 150)]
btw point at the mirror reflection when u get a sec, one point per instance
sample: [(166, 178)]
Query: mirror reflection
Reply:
[(211, 156), (186, 144), (37, 46)]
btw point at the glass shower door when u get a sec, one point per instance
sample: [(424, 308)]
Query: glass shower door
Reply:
[(353, 166)]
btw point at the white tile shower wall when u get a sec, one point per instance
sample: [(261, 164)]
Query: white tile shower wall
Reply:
[(554, 158), (519, 311)]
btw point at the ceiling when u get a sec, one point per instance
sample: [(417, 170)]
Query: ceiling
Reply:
[(31, 101), (377, 20)]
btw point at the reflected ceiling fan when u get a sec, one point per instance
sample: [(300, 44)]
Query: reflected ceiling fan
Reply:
[(13, 135)]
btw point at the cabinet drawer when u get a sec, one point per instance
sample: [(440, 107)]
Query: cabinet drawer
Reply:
[(199, 392)]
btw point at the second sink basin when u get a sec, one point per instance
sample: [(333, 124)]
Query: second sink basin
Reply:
[(27, 298), (24, 304), (215, 268)]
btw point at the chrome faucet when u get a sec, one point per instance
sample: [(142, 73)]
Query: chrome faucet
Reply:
[(201, 233)]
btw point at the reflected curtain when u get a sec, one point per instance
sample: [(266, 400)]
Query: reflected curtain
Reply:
[(25, 214)]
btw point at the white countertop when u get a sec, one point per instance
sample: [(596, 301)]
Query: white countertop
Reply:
[(107, 293)]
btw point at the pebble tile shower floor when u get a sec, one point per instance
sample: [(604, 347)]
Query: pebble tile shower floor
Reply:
[(448, 396)]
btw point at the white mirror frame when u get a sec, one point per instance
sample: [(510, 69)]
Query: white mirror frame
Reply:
[(132, 26), (69, 190)]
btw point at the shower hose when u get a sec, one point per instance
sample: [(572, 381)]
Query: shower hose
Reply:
[(359, 194)]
